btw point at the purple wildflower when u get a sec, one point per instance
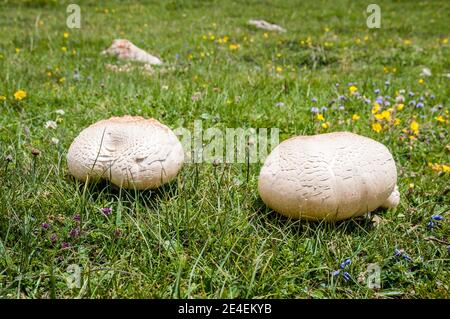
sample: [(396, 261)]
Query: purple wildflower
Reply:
[(336, 273), (314, 109), (387, 103), (53, 238), (45, 226), (379, 99), (106, 211), (397, 253), (341, 107), (314, 100), (437, 217), (341, 97), (377, 91), (412, 102), (430, 225), (419, 105), (64, 245), (77, 217), (411, 93), (117, 233), (324, 109), (74, 233)]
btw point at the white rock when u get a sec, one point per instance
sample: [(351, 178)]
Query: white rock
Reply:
[(126, 50), (331, 176), (130, 151), (261, 24)]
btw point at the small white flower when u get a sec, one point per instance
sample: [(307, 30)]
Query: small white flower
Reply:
[(51, 125), (426, 72), (400, 99), (54, 140), (279, 104), (165, 87), (60, 112)]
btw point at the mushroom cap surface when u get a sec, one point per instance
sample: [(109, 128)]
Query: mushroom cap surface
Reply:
[(130, 151), (330, 176)]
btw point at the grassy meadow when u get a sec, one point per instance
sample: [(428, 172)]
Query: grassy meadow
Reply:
[(208, 234)]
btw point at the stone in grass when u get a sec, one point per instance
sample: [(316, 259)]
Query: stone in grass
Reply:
[(126, 50), (264, 25), (130, 151), (331, 177)]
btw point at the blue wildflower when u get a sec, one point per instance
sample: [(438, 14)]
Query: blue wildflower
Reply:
[(419, 105), (412, 102), (430, 224), (387, 83), (324, 109), (411, 93), (345, 263), (314, 109), (336, 273), (397, 253), (346, 276), (314, 100), (437, 217), (377, 91), (341, 107)]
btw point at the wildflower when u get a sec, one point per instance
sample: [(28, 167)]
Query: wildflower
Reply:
[(53, 238), (352, 89), (279, 69), (419, 105), (346, 276), (407, 42), (414, 127), (446, 168), (430, 224), (76, 217), (345, 263), (421, 81), (397, 122), (377, 127), (18, 50), (106, 211), (64, 49), (66, 35), (2, 98), (440, 119), (411, 94), (336, 273), (341, 107), (45, 226), (325, 125), (279, 104), (196, 96), (377, 91), (20, 95), (387, 83), (60, 112), (51, 125), (376, 108), (74, 233), (319, 117), (437, 217), (400, 106), (341, 98), (314, 100), (233, 47), (412, 102), (400, 99), (266, 35), (355, 117), (9, 158), (64, 245), (314, 109)]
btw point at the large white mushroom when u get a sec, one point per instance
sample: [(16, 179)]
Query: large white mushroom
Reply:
[(130, 151), (331, 176), (264, 25)]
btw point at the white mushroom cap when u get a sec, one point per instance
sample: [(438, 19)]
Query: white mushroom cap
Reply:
[(126, 50), (130, 151), (329, 176)]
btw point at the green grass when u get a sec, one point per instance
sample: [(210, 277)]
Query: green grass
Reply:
[(208, 234)]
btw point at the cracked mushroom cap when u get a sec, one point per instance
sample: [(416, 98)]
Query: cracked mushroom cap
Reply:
[(130, 151), (330, 176)]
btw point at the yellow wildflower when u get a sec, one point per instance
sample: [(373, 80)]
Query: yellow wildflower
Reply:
[(397, 122), (2, 98), (64, 49), (266, 35), (234, 46), (376, 127), (400, 106), (355, 117), (440, 119), (407, 42), (411, 185), (376, 108), (279, 69), (320, 117), (325, 125), (66, 35), (379, 116), (62, 80), (421, 81), (386, 115), (446, 168), (414, 126), (445, 40), (352, 89), (20, 95), (18, 50)]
